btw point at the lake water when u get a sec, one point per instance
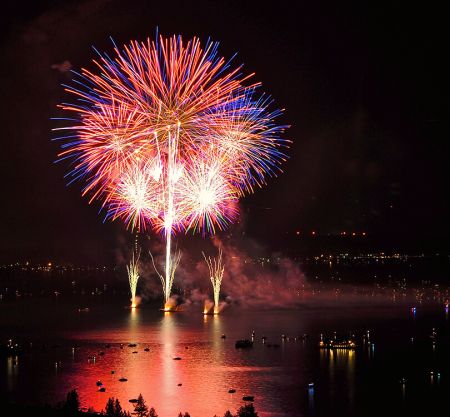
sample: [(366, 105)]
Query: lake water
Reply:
[(346, 383)]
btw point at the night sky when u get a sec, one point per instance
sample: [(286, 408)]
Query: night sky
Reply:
[(365, 90)]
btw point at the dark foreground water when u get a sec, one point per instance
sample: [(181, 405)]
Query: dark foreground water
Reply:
[(346, 383)]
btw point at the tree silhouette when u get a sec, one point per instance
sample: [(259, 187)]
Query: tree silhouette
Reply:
[(228, 414), (113, 408), (247, 410), (141, 409), (72, 403), (109, 407), (152, 413)]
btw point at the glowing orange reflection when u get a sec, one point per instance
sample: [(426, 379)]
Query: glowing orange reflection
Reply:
[(174, 375)]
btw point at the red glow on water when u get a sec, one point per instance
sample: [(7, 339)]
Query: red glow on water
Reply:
[(167, 384)]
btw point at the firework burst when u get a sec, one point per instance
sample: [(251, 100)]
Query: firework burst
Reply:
[(167, 136)]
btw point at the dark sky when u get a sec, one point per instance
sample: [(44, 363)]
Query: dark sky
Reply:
[(365, 89)]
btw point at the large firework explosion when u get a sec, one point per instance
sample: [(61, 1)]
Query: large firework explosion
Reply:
[(167, 136)]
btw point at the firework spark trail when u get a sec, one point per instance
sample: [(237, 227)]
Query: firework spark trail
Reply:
[(133, 276), (170, 275), (168, 137), (216, 270)]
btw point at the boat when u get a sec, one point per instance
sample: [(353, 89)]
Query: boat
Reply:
[(113, 372), (102, 389), (338, 344), (248, 398), (10, 350), (177, 358), (134, 351), (123, 379), (147, 350), (243, 344), (223, 336), (99, 383), (180, 385), (101, 353), (132, 345), (231, 391)]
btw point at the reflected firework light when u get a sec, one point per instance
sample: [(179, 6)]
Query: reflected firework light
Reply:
[(168, 137)]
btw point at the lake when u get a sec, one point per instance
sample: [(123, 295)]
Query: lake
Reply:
[(61, 343)]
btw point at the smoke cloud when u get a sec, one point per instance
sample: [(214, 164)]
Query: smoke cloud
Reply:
[(252, 278)]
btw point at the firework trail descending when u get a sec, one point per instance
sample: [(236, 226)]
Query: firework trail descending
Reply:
[(133, 276), (167, 137), (216, 269)]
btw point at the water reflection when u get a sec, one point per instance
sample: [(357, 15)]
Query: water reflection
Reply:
[(12, 370), (170, 368), (340, 362), (311, 400), (210, 366), (197, 382), (403, 388), (134, 321)]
